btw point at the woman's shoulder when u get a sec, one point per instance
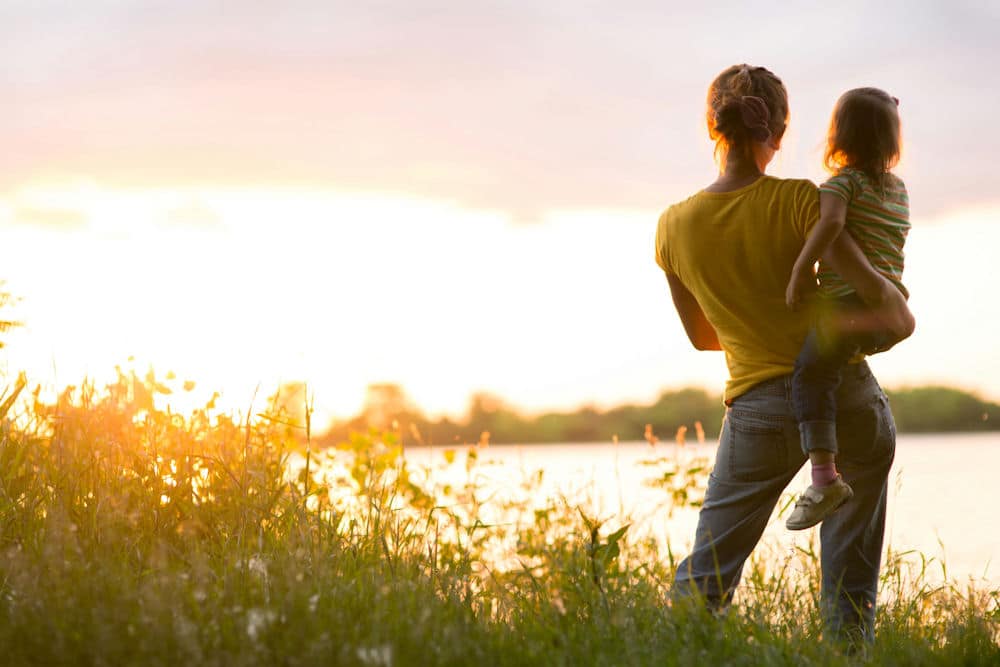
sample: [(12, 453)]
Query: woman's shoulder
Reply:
[(765, 184), (793, 185), (766, 191), (788, 193), (683, 203), (679, 210)]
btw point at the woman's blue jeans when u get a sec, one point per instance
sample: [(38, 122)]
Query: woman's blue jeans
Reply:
[(759, 454)]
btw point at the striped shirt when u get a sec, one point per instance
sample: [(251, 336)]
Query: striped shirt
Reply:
[(877, 218)]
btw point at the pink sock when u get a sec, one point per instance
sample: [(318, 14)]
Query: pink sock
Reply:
[(823, 474)]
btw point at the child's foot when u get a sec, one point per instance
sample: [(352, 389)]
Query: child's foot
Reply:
[(819, 502)]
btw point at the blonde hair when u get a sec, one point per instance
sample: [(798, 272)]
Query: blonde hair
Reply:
[(742, 101), (864, 133)]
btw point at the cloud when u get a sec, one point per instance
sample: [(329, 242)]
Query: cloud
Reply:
[(524, 107), (194, 214), (59, 218)]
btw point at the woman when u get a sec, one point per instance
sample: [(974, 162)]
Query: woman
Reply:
[(728, 252)]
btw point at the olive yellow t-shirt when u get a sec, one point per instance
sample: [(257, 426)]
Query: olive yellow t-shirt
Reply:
[(734, 252)]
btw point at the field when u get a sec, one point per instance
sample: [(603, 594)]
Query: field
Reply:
[(132, 535)]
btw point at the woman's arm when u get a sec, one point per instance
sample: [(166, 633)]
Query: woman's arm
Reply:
[(888, 305), (699, 330), (832, 218)]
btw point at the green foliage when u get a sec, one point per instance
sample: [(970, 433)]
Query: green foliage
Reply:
[(132, 535), (941, 409), (683, 483), (489, 418), (674, 414)]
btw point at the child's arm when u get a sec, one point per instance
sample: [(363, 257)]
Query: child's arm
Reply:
[(700, 331), (832, 217)]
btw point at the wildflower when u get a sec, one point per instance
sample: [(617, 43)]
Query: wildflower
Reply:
[(381, 656), (256, 565), (258, 620)]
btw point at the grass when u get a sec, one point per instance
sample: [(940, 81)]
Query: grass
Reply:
[(131, 535)]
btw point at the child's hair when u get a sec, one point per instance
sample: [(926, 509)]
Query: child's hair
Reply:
[(864, 133), (745, 104)]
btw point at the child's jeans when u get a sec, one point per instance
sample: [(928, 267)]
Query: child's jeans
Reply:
[(818, 372)]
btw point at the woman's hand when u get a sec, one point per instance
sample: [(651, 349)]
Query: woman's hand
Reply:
[(893, 314), (888, 310)]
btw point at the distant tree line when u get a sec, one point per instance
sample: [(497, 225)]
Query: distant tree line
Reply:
[(942, 409), (682, 414)]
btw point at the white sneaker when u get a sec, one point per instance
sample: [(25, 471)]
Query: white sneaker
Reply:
[(819, 502)]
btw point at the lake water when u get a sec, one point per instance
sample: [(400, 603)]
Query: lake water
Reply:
[(943, 497)]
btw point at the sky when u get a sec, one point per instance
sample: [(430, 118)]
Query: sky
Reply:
[(455, 197)]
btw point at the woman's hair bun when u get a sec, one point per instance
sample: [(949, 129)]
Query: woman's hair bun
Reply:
[(749, 112), (745, 104)]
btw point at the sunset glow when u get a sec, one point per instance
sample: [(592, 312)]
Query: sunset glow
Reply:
[(335, 333), (240, 288), (454, 214)]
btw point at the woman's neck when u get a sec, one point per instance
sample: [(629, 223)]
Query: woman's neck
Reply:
[(738, 173)]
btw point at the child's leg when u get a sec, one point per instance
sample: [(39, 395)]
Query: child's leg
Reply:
[(817, 375), (823, 467), (818, 371)]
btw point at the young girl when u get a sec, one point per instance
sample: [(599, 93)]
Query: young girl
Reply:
[(870, 202)]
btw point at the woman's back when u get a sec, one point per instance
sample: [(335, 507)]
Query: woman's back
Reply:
[(733, 251)]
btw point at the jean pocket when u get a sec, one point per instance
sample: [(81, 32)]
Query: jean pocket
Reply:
[(753, 446), (866, 435)]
